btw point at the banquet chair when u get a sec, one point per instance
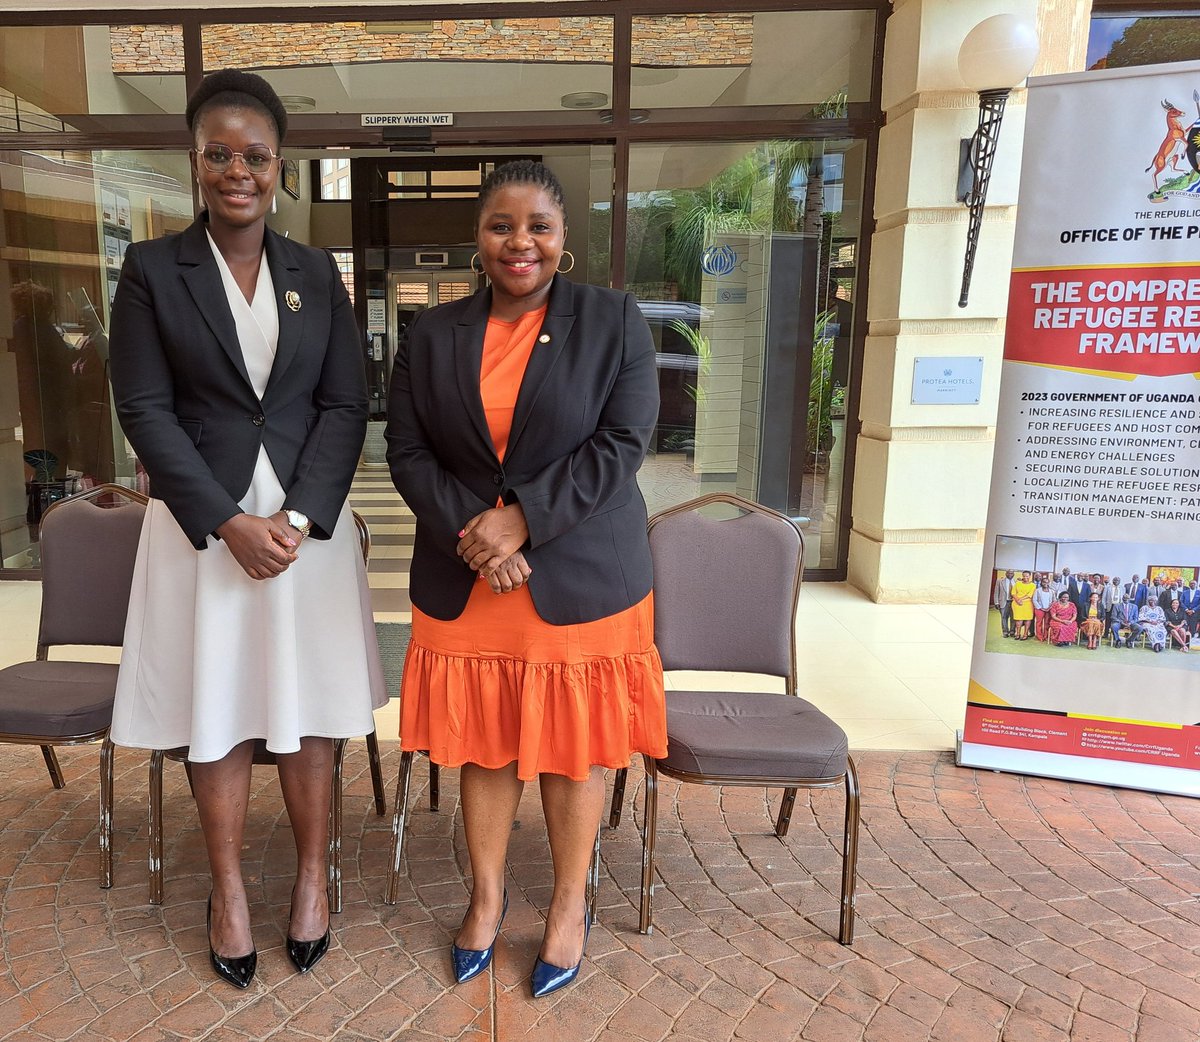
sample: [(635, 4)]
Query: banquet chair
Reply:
[(87, 568), (262, 755), (725, 596)]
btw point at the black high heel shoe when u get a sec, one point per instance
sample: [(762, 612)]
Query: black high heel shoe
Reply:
[(237, 969), (306, 954)]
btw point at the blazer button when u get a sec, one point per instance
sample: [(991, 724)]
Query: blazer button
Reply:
[(258, 420), (497, 479)]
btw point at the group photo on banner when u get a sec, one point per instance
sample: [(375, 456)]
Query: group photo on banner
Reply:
[(1086, 660)]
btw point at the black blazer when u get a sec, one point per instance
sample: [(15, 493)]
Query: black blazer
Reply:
[(583, 419), (184, 397)]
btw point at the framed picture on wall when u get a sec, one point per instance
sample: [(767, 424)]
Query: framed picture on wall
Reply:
[(1167, 573), (291, 177)]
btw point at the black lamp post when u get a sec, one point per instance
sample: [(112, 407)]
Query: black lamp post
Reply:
[(996, 56)]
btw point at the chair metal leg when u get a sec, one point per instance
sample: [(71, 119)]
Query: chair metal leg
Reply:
[(594, 876), (398, 825), (618, 800), (435, 788), (376, 774), (649, 833), (56, 774), (849, 855), (156, 827), (785, 813), (106, 812), (335, 827)]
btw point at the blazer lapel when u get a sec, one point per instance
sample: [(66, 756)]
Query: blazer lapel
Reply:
[(288, 278), (468, 361), (203, 280), (552, 339)]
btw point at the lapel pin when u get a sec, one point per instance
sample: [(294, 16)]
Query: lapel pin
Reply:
[(544, 338), (292, 299)]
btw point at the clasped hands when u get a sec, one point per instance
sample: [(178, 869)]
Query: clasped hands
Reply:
[(263, 546), (490, 544)]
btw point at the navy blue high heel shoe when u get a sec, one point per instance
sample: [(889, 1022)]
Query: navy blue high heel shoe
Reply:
[(547, 978), (237, 969), (471, 962)]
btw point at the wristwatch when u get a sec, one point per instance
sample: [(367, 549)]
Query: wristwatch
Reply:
[(299, 522)]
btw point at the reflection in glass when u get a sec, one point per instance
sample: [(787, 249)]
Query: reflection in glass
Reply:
[(97, 71), (1119, 41), (459, 66), (764, 58), (742, 256), (68, 219)]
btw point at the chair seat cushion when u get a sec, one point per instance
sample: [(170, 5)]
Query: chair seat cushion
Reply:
[(751, 735), (57, 699)]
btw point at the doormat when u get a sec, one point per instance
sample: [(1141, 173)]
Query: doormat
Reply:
[(393, 638)]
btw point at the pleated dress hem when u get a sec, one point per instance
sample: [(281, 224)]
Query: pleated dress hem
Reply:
[(548, 717)]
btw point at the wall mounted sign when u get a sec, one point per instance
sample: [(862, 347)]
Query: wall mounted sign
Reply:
[(718, 260), (408, 119), (947, 381)]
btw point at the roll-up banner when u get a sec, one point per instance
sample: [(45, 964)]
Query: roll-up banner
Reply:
[(1089, 597)]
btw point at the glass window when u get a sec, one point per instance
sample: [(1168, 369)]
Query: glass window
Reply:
[(98, 71), (1120, 40), (345, 262), (803, 58), (334, 178), (471, 67), (68, 219), (742, 256)]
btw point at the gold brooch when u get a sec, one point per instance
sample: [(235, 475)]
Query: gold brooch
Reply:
[(292, 299), (544, 338)]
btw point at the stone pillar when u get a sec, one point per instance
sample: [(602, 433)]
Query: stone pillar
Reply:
[(923, 472)]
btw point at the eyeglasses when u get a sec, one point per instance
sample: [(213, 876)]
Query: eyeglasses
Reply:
[(218, 158)]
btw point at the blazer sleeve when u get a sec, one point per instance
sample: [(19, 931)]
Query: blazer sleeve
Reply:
[(579, 484), (143, 391), (327, 462), (441, 502)]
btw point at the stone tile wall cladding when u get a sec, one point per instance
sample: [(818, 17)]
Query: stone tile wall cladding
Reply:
[(681, 40)]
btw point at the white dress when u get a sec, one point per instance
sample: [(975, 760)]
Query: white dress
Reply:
[(212, 657)]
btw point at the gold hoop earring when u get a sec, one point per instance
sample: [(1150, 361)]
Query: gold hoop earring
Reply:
[(471, 264), (571, 267)]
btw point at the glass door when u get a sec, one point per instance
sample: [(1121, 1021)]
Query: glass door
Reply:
[(408, 294), (742, 257)]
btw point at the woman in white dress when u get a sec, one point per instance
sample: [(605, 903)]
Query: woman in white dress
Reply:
[(238, 381)]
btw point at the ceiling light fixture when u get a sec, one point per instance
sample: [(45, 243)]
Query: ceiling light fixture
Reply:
[(584, 99), (298, 102)]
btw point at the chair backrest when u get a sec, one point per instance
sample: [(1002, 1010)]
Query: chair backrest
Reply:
[(725, 591), (87, 566), (364, 535)]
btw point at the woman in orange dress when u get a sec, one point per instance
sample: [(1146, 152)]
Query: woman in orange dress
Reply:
[(518, 419)]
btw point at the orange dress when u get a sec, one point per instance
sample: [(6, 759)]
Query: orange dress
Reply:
[(499, 683)]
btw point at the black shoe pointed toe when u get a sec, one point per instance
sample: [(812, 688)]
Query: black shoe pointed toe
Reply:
[(306, 954), (237, 969)]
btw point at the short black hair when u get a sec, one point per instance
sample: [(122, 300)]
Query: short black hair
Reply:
[(521, 172), (236, 89)]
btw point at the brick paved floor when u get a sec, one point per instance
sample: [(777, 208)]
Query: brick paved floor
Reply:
[(991, 907)]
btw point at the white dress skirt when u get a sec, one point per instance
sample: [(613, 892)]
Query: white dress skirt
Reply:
[(212, 657)]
